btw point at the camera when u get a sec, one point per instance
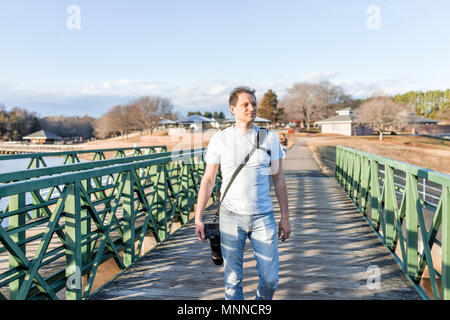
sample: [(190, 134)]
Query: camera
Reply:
[(212, 233)]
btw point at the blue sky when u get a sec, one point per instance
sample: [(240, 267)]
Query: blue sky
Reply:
[(194, 52)]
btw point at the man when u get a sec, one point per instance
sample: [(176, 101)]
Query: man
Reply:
[(247, 209)]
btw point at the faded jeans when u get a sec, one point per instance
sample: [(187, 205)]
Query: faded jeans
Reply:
[(261, 229)]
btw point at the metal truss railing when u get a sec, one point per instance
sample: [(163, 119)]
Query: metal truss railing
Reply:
[(37, 160), (88, 214), (398, 199)]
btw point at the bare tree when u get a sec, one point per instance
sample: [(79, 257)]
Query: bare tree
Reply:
[(152, 110), (381, 112), (102, 129), (133, 117), (300, 102), (138, 114), (330, 98), (312, 101), (111, 123)]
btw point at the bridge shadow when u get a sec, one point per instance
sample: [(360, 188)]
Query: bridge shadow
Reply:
[(332, 254)]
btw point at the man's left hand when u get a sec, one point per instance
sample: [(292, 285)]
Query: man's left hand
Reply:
[(284, 229)]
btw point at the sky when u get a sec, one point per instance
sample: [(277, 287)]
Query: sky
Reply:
[(82, 57)]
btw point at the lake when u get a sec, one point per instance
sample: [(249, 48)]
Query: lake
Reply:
[(19, 165)]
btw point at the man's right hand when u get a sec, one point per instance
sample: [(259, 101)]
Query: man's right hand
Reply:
[(200, 231)]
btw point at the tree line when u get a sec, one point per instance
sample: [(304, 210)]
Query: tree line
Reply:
[(17, 123), (216, 115), (434, 104), (304, 101), (140, 114)]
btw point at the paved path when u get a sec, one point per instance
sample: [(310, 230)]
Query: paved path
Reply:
[(327, 257)]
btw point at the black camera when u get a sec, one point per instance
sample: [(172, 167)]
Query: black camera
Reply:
[(212, 233)]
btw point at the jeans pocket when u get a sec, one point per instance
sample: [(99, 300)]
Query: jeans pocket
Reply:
[(225, 210)]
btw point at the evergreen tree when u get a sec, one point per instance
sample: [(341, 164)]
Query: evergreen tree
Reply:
[(432, 103), (268, 106)]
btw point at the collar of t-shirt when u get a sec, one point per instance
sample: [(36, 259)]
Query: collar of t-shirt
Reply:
[(249, 137)]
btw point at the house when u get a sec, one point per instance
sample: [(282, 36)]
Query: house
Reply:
[(259, 121), (41, 137), (197, 122), (344, 123)]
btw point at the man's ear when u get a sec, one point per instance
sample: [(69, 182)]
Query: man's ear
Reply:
[(232, 109)]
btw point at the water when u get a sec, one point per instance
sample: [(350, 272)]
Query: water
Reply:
[(443, 136), (19, 165)]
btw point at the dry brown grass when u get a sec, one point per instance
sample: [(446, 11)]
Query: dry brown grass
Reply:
[(158, 138), (426, 152)]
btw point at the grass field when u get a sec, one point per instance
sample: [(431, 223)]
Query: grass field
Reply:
[(426, 152)]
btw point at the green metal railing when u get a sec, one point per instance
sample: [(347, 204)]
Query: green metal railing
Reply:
[(397, 199), (36, 160), (93, 212)]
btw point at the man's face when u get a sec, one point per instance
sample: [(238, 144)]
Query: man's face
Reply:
[(245, 109)]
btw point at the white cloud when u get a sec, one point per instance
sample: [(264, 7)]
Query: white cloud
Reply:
[(319, 76), (389, 86), (209, 95)]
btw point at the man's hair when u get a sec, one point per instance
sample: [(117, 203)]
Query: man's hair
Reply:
[(234, 94)]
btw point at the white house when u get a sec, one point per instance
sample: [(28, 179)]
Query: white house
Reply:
[(344, 123)]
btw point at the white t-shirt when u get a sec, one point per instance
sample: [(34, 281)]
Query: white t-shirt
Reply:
[(249, 192)]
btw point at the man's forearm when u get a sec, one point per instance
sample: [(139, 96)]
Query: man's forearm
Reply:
[(281, 192), (204, 193)]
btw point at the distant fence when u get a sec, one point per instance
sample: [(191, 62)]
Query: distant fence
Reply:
[(431, 129), (399, 200), (9, 148), (90, 214)]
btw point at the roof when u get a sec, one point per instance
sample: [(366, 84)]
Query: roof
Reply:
[(42, 134), (350, 118), (166, 121), (338, 119), (413, 118), (345, 115), (257, 119), (195, 118)]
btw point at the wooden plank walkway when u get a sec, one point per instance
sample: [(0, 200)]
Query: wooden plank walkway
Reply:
[(327, 256)]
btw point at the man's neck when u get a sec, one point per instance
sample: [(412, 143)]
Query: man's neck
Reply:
[(243, 127)]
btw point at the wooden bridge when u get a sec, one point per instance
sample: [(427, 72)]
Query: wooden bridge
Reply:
[(349, 241), (329, 255)]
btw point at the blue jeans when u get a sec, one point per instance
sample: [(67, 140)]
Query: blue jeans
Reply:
[(261, 229)]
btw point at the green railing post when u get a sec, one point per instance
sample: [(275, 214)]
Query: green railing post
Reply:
[(446, 242), (16, 202), (390, 204), (374, 195), (184, 189), (356, 177), (364, 190), (411, 227), (128, 219), (162, 202), (85, 224), (73, 243)]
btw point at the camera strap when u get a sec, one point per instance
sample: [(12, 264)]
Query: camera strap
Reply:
[(261, 135)]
